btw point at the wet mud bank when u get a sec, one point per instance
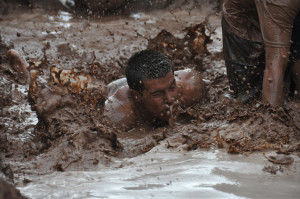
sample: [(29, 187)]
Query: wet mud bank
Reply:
[(55, 124)]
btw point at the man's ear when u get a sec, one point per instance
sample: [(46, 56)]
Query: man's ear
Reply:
[(136, 95)]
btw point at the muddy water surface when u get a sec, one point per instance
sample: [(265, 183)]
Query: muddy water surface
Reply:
[(219, 148), (163, 173)]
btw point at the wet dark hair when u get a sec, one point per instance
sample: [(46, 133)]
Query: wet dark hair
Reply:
[(146, 64)]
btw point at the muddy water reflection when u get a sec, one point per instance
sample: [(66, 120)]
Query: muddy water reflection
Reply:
[(163, 173)]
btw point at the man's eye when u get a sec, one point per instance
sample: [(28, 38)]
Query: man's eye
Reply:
[(157, 94)]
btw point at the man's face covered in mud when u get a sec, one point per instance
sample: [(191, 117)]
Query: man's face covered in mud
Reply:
[(159, 96), (150, 77)]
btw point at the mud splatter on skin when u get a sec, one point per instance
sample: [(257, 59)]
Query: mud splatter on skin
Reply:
[(71, 134)]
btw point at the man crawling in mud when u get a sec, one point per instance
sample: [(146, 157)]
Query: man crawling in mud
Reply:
[(151, 91), (261, 45)]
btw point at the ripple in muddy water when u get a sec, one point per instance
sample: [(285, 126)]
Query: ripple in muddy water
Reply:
[(162, 173)]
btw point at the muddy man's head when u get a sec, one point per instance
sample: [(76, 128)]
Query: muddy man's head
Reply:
[(151, 80)]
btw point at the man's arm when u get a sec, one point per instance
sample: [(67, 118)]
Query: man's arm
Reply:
[(119, 111)]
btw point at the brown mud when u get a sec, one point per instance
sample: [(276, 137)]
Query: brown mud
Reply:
[(8, 191), (72, 59)]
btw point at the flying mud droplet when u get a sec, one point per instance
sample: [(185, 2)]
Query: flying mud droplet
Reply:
[(171, 116)]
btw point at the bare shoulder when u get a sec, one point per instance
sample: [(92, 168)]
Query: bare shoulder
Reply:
[(114, 86), (119, 109), (191, 87)]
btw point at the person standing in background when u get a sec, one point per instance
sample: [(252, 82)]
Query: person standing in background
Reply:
[(261, 44)]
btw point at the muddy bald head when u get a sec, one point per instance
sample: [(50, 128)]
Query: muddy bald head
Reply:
[(146, 64)]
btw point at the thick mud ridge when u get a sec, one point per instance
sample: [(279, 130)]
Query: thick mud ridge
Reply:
[(54, 123)]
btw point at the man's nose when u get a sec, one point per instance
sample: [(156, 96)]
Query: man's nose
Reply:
[(169, 98)]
